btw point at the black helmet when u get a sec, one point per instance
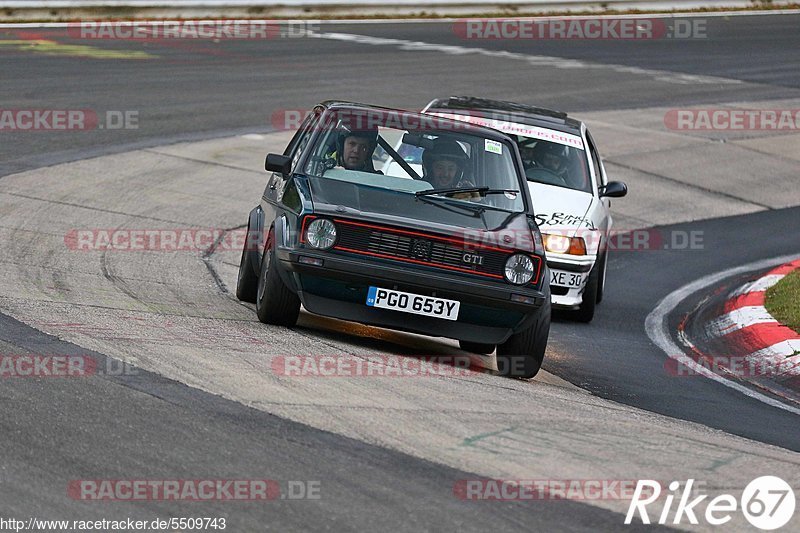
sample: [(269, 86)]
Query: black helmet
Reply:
[(369, 132), (447, 149), (546, 148)]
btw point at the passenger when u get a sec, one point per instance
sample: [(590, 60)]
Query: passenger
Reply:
[(526, 152), (444, 165)]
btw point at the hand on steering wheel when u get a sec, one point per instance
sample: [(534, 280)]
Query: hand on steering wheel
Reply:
[(544, 175)]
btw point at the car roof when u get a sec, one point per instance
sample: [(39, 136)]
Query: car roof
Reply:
[(510, 111), (417, 117)]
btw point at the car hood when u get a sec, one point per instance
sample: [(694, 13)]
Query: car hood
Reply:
[(378, 204), (561, 209)]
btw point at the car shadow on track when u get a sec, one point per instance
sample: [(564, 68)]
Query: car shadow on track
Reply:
[(345, 336)]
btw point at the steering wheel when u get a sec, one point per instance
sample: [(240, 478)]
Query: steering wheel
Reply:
[(543, 175)]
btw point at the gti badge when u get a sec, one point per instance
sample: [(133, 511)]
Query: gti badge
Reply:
[(472, 259)]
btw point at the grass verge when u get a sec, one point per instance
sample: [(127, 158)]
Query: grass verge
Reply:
[(783, 300)]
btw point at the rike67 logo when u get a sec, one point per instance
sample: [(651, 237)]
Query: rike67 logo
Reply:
[(768, 503)]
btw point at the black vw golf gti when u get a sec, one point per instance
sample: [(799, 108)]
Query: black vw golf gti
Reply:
[(405, 221)]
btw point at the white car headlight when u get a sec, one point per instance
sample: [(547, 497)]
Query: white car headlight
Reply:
[(519, 269), (321, 234), (559, 244)]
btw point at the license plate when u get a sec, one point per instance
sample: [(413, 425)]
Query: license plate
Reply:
[(413, 303), (559, 278)]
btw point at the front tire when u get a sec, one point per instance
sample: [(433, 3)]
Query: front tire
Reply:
[(247, 282), (602, 281), (276, 304), (522, 354), (585, 312)]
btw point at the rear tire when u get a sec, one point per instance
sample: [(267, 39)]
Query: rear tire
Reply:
[(476, 347), (247, 283), (276, 304), (522, 354)]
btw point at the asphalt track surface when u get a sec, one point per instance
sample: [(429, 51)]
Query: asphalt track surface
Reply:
[(110, 427), (197, 88)]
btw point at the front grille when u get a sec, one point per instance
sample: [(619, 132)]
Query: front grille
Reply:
[(430, 250)]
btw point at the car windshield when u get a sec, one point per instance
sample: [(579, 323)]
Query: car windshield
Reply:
[(382, 161), (549, 156), (554, 163)]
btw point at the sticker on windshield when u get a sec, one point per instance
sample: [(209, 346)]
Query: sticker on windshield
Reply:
[(494, 147), (514, 128)]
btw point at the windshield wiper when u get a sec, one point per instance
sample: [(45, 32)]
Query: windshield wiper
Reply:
[(472, 209), (483, 191)]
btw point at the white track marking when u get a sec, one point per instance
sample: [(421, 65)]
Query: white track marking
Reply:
[(739, 319), (535, 60), (658, 329), (759, 285), (781, 356), (789, 349)]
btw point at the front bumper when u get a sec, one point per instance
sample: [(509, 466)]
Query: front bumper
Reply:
[(568, 297), (339, 289)]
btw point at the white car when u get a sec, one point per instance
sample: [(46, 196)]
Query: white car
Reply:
[(570, 190)]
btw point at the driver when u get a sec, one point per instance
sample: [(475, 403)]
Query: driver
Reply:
[(354, 149), (550, 156)]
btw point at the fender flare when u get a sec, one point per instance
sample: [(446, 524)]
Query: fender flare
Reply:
[(256, 238)]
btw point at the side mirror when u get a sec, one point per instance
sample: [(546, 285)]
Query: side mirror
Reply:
[(278, 163), (614, 189)]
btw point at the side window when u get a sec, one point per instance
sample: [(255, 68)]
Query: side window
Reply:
[(301, 138), (598, 173)]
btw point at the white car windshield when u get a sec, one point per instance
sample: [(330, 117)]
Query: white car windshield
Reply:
[(553, 163), (549, 156)]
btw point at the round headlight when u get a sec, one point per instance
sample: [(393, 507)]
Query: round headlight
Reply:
[(556, 243), (321, 234), (519, 269)]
